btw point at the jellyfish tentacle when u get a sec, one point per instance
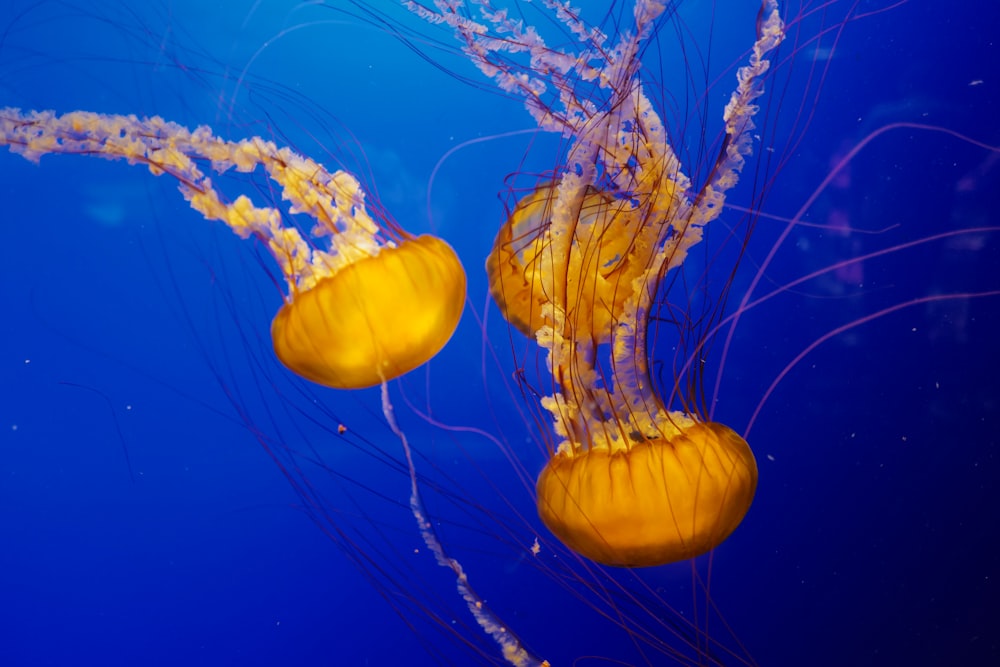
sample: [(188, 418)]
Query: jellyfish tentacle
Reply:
[(510, 644)]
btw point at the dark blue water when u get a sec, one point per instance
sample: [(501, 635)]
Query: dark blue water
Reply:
[(169, 495)]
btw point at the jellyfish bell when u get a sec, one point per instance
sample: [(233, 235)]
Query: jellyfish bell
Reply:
[(376, 319), (599, 278), (658, 501)]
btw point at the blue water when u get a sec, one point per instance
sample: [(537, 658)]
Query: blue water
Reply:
[(143, 518)]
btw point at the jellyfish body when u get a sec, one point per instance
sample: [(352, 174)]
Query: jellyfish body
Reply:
[(372, 304), (577, 266)]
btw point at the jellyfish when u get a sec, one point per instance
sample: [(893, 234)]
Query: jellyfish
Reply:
[(577, 266), (374, 304)]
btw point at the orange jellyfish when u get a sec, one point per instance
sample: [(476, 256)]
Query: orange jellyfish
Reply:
[(577, 267), (372, 305)]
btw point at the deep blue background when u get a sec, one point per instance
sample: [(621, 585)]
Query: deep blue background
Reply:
[(134, 334)]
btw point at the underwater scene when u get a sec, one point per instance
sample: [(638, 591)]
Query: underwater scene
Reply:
[(499, 332)]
